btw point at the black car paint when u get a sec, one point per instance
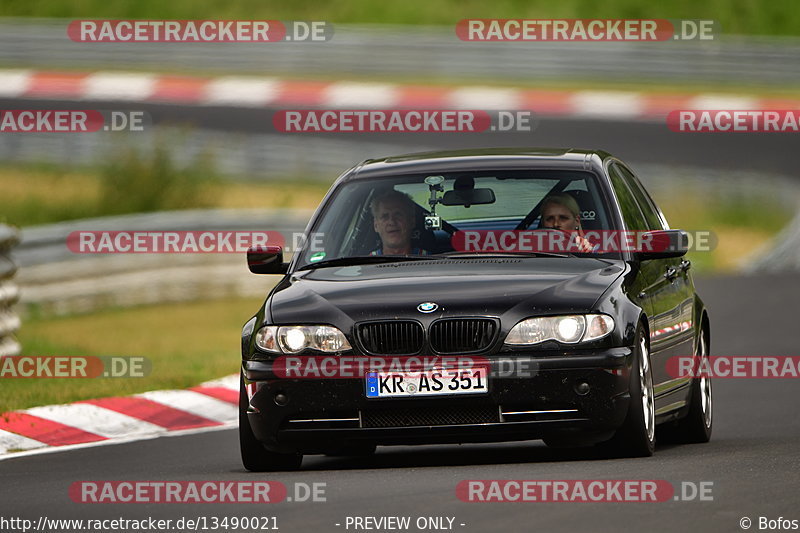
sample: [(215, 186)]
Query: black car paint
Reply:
[(511, 289)]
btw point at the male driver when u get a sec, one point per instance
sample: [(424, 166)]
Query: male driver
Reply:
[(393, 214)]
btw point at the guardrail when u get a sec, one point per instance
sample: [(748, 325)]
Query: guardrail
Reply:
[(57, 281), (432, 51), (256, 156), (234, 154), (9, 292), (782, 254)]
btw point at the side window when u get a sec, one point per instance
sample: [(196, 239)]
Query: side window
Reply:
[(651, 215), (634, 219)]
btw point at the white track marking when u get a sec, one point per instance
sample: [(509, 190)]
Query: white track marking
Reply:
[(12, 441), (194, 402), (14, 83), (722, 101), (360, 95), (95, 419), (484, 98), (607, 104), (131, 87), (228, 382), (241, 91)]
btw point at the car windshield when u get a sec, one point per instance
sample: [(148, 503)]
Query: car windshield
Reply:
[(394, 216)]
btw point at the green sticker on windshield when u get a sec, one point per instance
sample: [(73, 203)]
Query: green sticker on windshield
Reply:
[(319, 256)]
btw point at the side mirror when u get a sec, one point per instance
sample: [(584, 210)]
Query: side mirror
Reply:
[(662, 244), (266, 260)]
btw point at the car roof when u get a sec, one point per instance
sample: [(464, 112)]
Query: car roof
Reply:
[(478, 159)]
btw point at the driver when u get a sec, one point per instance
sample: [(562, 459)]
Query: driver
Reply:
[(393, 215), (561, 212)]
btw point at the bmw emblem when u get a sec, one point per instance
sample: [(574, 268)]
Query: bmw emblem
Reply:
[(427, 307)]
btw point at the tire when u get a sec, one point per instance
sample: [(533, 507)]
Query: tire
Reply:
[(255, 457), (696, 426), (636, 437)]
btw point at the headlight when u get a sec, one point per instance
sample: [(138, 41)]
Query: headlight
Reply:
[(266, 339), (295, 339), (568, 329)]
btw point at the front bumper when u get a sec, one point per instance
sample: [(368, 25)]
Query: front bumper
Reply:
[(542, 400)]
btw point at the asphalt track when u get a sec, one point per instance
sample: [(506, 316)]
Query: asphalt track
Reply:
[(636, 142), (752, 460)]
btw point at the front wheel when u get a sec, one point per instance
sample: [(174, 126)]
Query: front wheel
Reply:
[(255, 457), (637, 435)]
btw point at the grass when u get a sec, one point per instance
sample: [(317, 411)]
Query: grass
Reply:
[(134, 183), (778, 17), (186, 344), (130, 182), (740, 225), (43, 195)]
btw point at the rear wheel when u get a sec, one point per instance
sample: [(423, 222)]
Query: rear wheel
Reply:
[(255, 457), (696, 426), (637, 436)]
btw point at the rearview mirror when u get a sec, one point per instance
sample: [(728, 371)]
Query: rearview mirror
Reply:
[(266, 260), (468, 197)]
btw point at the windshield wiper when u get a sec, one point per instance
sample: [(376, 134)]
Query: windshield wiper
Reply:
[(504, 254), (366, 260)]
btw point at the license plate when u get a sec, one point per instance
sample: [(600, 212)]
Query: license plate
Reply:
[(427, 383)]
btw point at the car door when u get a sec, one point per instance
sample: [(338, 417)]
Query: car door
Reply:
[(672, 299)]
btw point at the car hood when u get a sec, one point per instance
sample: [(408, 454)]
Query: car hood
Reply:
[(507, 288)]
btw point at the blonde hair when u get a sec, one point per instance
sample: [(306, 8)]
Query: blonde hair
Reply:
[(563, 199)]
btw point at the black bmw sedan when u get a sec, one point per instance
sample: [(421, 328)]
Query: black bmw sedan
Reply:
[(476, 296)]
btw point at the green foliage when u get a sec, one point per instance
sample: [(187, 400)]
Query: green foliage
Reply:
[(128, 181), (185, 344), (747, 212), (136, 183)]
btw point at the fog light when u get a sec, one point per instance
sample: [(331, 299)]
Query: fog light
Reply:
[(582, 388), (281, 399)]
